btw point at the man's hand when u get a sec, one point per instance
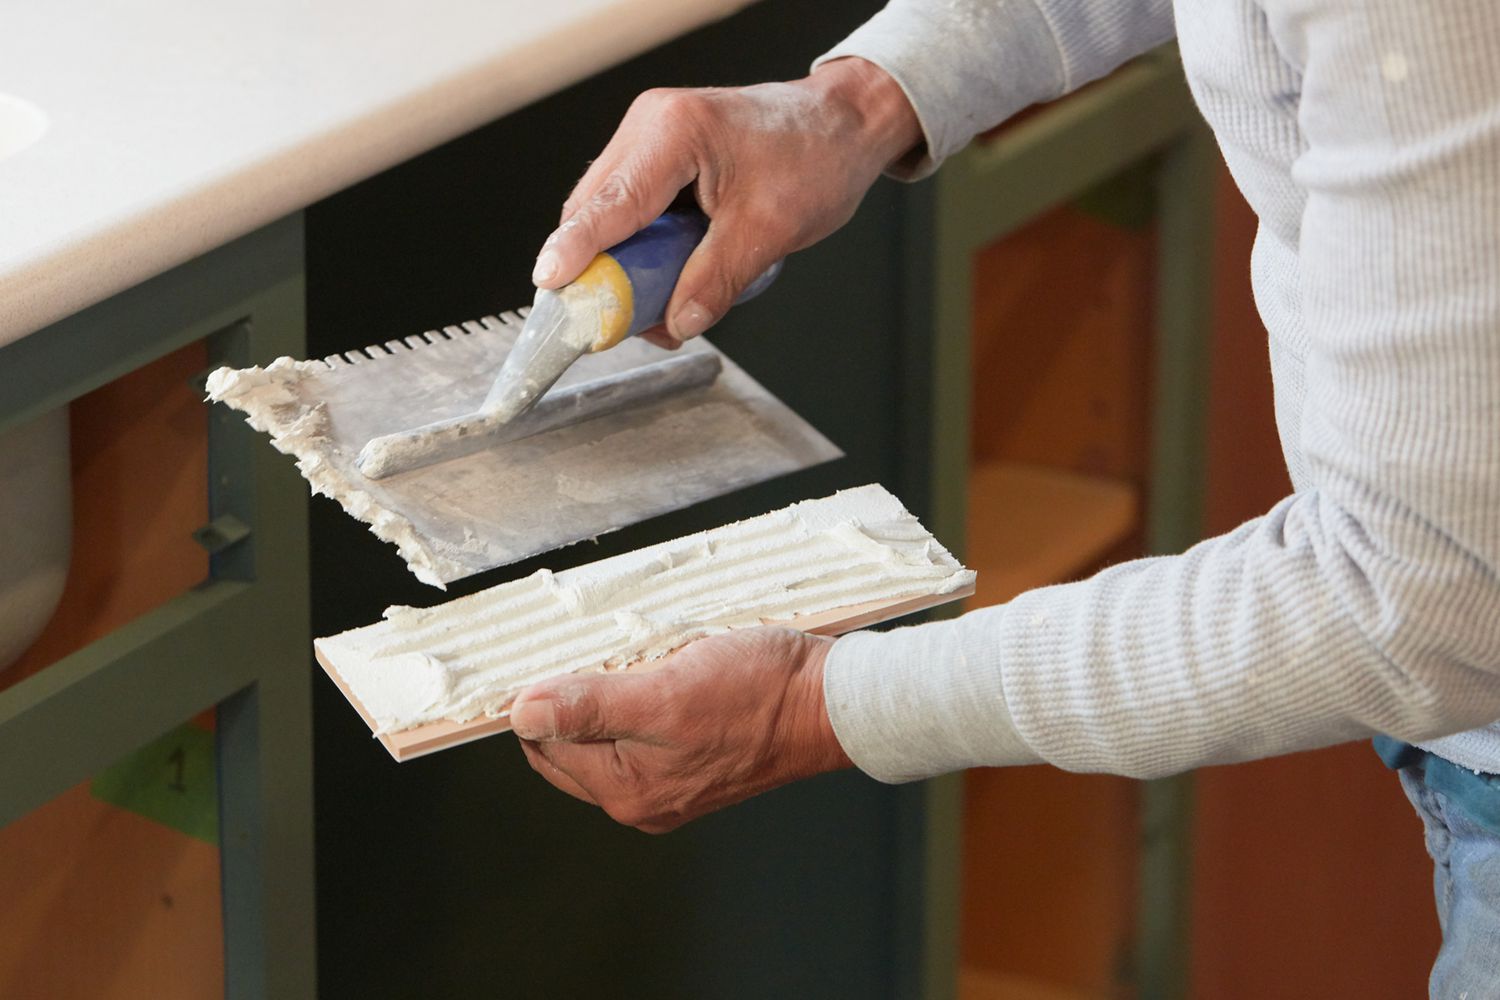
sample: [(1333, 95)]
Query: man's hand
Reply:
[(776, 167), (723, 719)]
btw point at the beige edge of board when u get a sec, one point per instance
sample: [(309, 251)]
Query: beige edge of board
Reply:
[(422, 740)]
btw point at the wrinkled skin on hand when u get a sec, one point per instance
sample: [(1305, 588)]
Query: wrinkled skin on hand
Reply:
[(722, 719), (776, 167)]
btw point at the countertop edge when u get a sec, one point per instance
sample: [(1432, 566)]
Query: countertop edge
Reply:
[(60, 284)]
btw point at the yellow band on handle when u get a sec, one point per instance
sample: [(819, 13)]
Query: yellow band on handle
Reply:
[(612, 291)]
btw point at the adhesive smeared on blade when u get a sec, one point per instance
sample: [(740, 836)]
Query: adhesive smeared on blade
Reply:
[(559, 330), (503, 504), (462, 436)]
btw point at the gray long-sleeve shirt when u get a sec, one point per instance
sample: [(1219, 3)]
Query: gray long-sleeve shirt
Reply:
[(1366, 136)]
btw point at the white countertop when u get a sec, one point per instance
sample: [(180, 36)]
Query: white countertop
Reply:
[(176, 126)]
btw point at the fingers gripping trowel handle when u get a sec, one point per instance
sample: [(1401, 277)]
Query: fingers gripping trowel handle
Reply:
[(651, 262), (623, 292)]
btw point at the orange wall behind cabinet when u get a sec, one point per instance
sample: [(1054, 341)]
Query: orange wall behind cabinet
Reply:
[(1062, 310), (99, 903)]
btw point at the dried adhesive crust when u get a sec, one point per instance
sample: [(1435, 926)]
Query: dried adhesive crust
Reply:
[(470, 657), (260, 393)]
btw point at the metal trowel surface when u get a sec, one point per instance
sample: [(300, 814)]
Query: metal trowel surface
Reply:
[(522, 497)]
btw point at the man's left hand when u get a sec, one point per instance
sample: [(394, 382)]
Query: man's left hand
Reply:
[(722, 719)]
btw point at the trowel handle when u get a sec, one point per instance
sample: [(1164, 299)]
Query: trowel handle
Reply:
[(652, 261)]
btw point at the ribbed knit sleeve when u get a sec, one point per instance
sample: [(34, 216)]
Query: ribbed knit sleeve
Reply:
[(967, 65), (1367, 602)]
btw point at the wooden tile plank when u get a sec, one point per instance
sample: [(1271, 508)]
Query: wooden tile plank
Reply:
[(422, 740)]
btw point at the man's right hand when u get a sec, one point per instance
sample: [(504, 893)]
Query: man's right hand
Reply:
[(776, 167)]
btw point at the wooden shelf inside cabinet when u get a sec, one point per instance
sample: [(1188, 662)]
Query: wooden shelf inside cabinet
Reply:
[(1030, 526), (983, 984)]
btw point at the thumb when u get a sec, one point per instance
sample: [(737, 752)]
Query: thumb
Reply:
[(732, 255), (575, 709)]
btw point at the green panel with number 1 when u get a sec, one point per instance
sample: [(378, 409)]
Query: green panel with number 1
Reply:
[(170, 780)]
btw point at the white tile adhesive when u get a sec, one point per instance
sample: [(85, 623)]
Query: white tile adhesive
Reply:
[(471, 656), (268, 395)]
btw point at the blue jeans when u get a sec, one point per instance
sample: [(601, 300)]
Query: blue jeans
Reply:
[(1461, 813)]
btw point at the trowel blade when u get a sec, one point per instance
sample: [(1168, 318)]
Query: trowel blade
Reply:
[(524, 497), (605, 396)]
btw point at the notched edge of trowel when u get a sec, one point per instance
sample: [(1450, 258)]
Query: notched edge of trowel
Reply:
[(435, 337)]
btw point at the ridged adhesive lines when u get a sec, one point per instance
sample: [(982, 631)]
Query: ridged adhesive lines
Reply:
[(471, 656)]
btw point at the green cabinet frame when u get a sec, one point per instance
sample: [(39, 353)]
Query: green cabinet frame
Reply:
[(239, 641)]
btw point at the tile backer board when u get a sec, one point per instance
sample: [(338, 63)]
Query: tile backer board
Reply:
[(460, 517), (498, 640)]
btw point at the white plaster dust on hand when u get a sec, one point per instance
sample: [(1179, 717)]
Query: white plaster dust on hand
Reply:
[(471, 656)]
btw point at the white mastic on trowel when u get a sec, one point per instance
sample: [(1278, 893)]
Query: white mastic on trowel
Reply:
[(518, 498)]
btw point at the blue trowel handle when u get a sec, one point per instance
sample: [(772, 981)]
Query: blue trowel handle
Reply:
[(652, 261)]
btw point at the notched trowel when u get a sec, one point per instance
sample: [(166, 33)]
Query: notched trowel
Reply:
[(464, 471)]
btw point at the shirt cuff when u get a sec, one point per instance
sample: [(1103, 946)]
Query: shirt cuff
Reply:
[(965, 68), (915, 702)]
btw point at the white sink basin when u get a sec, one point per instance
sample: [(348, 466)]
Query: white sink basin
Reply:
[(36, 527), (21, 124)]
